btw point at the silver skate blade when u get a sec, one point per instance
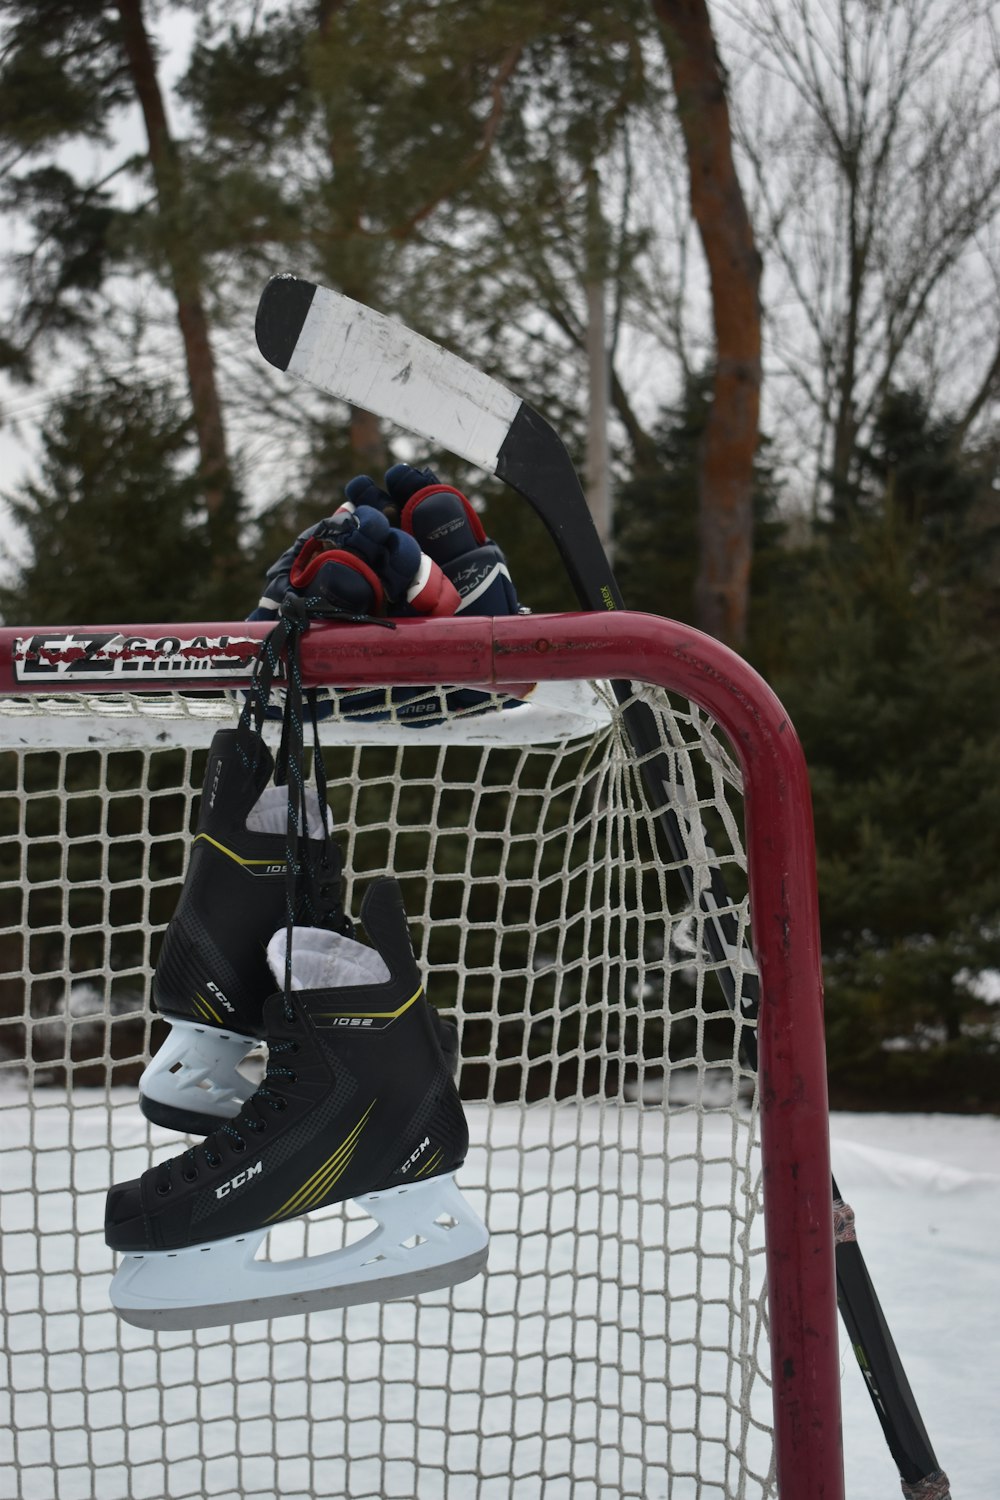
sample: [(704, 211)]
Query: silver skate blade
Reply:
[(384, 1289), (427, 1237)]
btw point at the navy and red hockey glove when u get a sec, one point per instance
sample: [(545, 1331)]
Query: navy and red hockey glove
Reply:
[(416, 547), (442, 522), (357, 562)]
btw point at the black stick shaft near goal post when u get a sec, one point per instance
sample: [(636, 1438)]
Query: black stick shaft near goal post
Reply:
[(358, 355)]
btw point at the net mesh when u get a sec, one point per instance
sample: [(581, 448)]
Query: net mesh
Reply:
[(617, 1346)]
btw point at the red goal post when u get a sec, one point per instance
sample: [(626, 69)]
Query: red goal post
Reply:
[(494, 653)]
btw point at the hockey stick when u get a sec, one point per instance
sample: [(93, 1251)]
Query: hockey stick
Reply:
[(360, 356), (349, 351)]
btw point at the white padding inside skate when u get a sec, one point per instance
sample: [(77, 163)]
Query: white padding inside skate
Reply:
[(197, 1069), (427, 1237), (269, 813), (323, 960)]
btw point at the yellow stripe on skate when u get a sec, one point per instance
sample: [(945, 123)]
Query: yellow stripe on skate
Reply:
[(204, 1007), (368, 1015), (315, 1189), (237, 858), (434, 1161), (312, 1191), (323, 1185), (318, 1185)]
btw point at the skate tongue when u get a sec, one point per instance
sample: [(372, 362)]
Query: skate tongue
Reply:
[(269, 813), (323, 960)]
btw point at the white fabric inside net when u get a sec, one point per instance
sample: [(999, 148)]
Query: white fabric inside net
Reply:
[(617, 1347)]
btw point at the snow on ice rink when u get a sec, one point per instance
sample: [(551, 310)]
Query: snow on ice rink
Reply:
[(103, 1415), (926, 1193)]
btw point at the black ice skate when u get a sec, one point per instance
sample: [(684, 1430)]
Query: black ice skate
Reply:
[(358, 1102), (212, 976)]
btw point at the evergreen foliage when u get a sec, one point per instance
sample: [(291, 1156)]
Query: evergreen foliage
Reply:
[(62, 81), (656, 523), (429, 161), (890, 674), (99, 932), (113, 524)]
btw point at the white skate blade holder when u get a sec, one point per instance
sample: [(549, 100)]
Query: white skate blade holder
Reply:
[(197, 1069), (428, 1237)]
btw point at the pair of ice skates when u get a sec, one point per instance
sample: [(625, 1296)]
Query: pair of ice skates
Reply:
[(358, 1100)]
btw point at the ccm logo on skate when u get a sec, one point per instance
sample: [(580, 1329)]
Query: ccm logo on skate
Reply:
[(220, 996), (408, 1163), (239, 1179), (215, 782)]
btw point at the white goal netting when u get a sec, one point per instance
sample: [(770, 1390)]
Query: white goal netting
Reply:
[(618, 1345)]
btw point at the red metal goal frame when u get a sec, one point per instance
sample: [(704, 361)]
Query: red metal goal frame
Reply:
[(782, 879)]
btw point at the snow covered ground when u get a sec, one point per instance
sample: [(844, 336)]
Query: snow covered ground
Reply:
[(926, 1193), (93, 1410)]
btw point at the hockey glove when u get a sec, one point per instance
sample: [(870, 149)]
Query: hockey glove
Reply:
[(359, 563), (416, 547), (447, 529)]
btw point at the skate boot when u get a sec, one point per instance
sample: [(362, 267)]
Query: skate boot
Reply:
[(212, 977), (358, 1102)]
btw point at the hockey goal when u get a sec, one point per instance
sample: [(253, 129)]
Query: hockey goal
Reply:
[(580, 873)]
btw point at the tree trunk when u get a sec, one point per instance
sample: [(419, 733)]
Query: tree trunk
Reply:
[(347, 271), (598, 457), (725, 479), (598, 373), (845, 430), (185, 275)]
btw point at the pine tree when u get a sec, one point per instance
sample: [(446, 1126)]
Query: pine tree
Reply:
[(67, 73), (656, 533), (114, 523), (890, 674), (428, 161)]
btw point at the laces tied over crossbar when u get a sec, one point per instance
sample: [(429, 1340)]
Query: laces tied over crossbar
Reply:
[(306, 874)]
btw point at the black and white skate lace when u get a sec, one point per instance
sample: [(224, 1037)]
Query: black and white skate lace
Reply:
[(253, 1118), (312, 886)]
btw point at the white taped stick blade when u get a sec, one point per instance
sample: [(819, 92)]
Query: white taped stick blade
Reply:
[(357, 354)]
